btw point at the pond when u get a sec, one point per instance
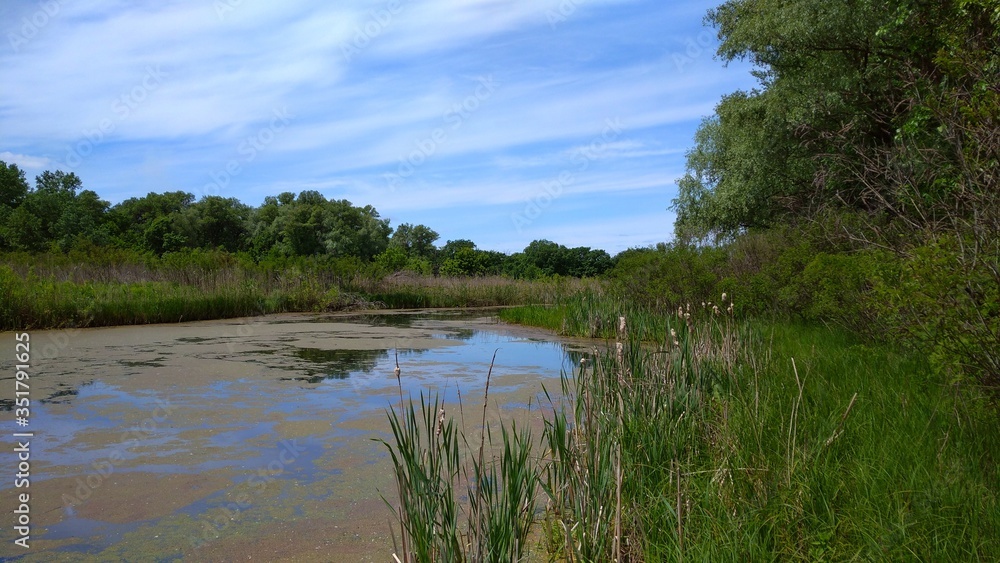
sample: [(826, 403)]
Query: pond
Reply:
[(248, 438)]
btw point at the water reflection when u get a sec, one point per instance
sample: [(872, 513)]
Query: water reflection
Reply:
[(335, 364), (208, 400)]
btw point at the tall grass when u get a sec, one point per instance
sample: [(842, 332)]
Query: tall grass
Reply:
[(416, 291), (49, 291), (499, 480), (629, 426), (33, 302), (756, 440)]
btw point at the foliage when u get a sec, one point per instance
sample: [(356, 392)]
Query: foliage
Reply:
[(432, 469), (756, 441), (415, 241), (875, 122)]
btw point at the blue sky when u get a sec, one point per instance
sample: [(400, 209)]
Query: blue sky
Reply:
[(500, 121)]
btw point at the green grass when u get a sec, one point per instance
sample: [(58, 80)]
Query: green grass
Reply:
[(32, 302), (57, 292), (764, 440), (853, 451), (435, 466)]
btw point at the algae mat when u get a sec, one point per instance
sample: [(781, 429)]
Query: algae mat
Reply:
[(246, 438)]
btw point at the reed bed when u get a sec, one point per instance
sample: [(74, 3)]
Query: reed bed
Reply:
[(435, 465), (416, 291), (698, 436), (56, 291)]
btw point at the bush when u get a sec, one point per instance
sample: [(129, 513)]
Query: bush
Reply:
[(948, 305)]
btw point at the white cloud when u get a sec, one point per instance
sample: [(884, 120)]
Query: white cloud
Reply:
[(368, 84), (25, 161)]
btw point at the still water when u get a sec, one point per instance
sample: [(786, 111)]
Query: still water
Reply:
[(246, 439)]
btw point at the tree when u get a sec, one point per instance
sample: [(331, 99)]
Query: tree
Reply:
[(219, 222), (465, 262), (131, 219), (311, 225), (453, 246), (13, 185), (13, 189), (53, 213), (416, 241), (830, 86)]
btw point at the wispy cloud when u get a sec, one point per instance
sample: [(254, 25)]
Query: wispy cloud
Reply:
[(369, 83), (25, 161)]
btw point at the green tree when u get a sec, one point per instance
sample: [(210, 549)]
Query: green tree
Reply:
[(465, 262), (416, 241), (53, 214), (219, 222), (13, 185), (310, 225), (130, 220), (13, 189)]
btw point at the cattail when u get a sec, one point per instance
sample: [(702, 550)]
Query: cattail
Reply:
[(440, 421), (723, 297)]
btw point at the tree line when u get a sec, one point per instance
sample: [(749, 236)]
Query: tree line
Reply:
[(58, 215), (858, 181)]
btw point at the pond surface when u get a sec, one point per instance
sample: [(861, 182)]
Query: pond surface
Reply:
[(247, 438)]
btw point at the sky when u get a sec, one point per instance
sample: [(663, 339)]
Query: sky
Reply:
[(499, 121)]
